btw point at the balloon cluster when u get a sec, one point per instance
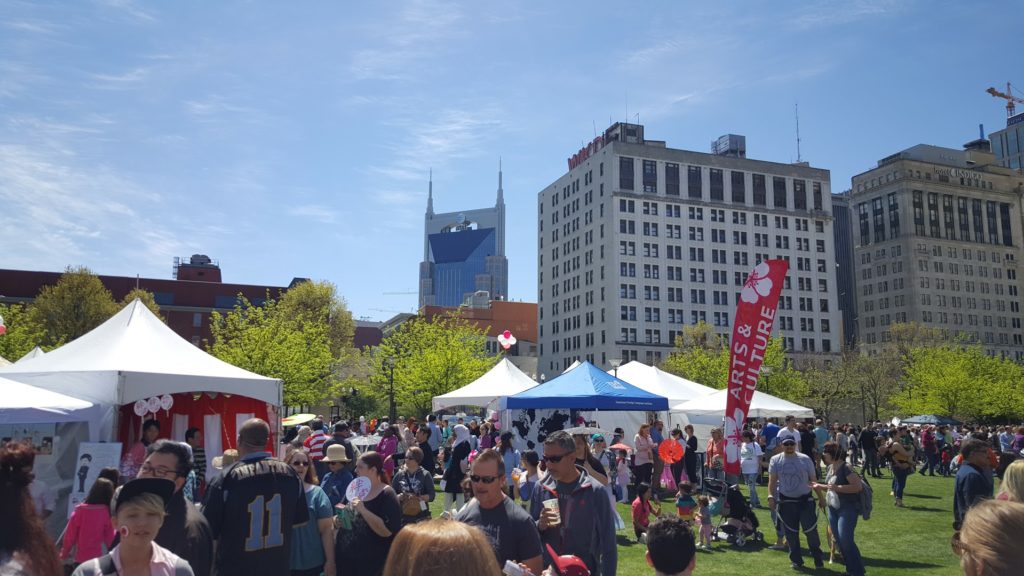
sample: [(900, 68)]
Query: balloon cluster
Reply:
[(3, 329), (506, 339)]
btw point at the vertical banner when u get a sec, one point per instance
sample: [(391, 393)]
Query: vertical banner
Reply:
[(752, 328)]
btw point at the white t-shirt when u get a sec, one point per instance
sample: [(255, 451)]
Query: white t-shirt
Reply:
[(787, 433), (750, 452), (42, 496)]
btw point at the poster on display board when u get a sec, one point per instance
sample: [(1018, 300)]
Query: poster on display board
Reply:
[(92, 457), (41, 436)]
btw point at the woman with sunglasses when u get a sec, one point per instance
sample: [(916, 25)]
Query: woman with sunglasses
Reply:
[(363, 549), (312, 542), (415, 488)]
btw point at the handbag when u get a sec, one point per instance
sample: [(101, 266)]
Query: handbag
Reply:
[(411, 505)]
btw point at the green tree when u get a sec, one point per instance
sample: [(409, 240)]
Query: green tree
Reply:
[(24, 332), (778, 375), (831, 388), (700, 355), (958, 382), (318, 302), (259, 339), (426, 358), (878, 381), (147, 298), (76, 304)]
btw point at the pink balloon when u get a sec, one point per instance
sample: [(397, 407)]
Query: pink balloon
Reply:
[(3, 329), (507, 334)]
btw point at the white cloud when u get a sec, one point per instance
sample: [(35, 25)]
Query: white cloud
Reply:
[(128, 8), (414, 35), (315, 212), (828, 13), (126, 81)]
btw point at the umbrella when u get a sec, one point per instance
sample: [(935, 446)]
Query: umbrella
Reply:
[(621, 446), (297, 419), (670, 451), (932, 419), (586, 430), (366, 440)]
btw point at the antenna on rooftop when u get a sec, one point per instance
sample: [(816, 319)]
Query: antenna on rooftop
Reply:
[(797, 110)]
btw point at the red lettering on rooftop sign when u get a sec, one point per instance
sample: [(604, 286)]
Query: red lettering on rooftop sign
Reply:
[(586, 152)]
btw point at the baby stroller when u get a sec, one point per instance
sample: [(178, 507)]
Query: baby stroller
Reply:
[(739, 523)]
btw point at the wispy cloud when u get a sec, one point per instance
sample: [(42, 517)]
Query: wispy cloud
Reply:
[(32, 26), (827, 13), (128, 8), (315, 212), (412, 38), (129, 80), (18, 79)]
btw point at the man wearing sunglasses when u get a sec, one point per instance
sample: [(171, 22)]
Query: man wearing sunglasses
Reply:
[(585, 528), (510, 529)]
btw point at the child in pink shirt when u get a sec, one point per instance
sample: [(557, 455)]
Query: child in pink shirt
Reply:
[(90, 528)]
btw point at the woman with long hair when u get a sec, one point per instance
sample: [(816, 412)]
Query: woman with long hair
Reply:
[(133, 459), (644, 462), (842, 493), (441, 548), (1012, 486), (362, 549), (715, 455), (901, 452), (313, 541), (89, 529), (25, 547), (690, 456), (511, 457), (988, 543)]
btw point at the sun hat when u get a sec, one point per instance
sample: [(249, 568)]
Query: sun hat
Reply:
[(336, 453)]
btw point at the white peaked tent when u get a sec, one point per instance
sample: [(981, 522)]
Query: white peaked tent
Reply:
[(761, 406), (33, 353), (505, 379), (132, 356), (656, 381), (22, 404), (4, 362)]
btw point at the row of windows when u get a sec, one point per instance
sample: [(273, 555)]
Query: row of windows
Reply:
[(943, 178), (704, 183)]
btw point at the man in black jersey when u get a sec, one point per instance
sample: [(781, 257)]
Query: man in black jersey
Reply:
[(253, 506)]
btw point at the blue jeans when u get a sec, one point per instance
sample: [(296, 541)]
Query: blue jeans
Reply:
[(797, 516), (751, 480), (899, 481), (844, 523)]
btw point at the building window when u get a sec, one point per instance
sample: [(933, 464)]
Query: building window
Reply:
[(919, 213), (739, 190), (650, 177), (760, 190), (878, 218), (800, 194), (625, 173), (779, 189), (816, 187), (672, 179), (1004, 217), (717, 184), (862, 217), (693, 182), (894, 216), (197, 320)]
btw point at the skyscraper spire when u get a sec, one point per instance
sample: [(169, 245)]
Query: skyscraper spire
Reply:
[(430, 194), (501, 193)]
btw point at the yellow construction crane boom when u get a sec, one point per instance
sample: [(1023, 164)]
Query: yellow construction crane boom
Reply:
[(1008, 96)]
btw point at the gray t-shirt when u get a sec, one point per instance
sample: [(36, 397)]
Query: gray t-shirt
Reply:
[(510, 529), (794, 473)]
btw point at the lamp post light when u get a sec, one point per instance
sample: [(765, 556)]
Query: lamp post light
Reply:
[(615, 362)]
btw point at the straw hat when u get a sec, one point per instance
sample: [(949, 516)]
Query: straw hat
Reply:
[(225, 461), (336, 453)]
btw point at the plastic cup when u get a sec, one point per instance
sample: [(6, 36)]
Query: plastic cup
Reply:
[(552, 504), (515, 475)]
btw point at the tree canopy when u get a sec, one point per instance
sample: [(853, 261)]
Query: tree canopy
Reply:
[(76, 304)]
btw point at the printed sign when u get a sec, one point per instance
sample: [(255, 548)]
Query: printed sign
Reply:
[(755, 316), (92, 457)]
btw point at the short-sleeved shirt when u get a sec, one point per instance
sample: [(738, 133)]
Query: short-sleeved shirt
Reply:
[(787, 433), (252, 509), (820, 437), (794, 474), (510, 529), (307, 546), (749, 454), (770, 432), (361, 551)]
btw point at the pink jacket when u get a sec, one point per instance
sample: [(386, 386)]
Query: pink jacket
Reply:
[(387, 448), (88, 529)]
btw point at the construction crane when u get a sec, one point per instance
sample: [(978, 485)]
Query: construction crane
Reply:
[(1009, 97)]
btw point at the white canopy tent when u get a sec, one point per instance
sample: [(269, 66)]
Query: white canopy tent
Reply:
[(656, 381), (505, 379), (4, 362), (33, 353), (23, 404), (133, 356), (761, 406)]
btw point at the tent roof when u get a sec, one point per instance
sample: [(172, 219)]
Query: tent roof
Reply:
[(33, 353), (504, 379), (4, 361), (132, 356), (657, 381), (23, 403), (932, 419), (761, 406), (586, 387)]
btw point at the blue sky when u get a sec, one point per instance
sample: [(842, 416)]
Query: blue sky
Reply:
[(294, 139)]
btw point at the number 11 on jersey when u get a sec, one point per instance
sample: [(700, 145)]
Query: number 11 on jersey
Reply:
[(258, 510)]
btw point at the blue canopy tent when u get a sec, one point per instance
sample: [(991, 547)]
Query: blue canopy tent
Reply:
[(585, 387)]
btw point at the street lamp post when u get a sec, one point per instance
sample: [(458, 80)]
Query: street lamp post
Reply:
[(390, 364), (615, 362)]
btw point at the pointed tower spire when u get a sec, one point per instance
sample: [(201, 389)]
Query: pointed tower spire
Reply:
[(430, 194), (501, 193)]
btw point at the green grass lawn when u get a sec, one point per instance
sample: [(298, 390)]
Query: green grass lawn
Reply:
[(905, 541)]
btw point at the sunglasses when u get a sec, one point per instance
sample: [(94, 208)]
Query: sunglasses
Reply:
[(483, 479), (300, 463), (554, 458)]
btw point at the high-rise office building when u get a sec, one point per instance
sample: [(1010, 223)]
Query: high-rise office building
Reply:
[(938, 241), (463, 253), (845, 282), (638, 240), (1008, 143)]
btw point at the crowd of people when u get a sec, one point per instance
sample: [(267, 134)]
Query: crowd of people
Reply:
[(535, 511)]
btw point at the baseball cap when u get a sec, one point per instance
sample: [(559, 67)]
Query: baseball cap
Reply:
[(788, 440), (567, 565), (161, 487)]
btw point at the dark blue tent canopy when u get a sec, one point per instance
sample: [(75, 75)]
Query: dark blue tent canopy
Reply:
[(586, 387)]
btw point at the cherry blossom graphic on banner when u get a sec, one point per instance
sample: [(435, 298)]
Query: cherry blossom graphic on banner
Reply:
[(755, 316)]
